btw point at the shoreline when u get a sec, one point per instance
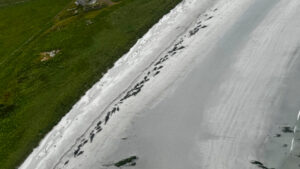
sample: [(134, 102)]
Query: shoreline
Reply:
[(231, 110), (109, 82)]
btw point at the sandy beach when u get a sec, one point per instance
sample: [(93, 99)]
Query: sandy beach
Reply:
[(213, 85)]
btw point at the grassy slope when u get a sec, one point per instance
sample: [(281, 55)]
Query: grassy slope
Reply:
[(34, 95)]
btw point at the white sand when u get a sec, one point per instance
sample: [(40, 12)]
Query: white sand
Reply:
[(216, 103)]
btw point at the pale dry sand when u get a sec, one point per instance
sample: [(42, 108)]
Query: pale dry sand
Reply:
[(214, 85)]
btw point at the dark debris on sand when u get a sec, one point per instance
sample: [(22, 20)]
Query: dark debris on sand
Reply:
[(260, 164)]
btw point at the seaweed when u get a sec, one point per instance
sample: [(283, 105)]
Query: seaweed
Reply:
[(260, 164), (131, 161), (66, 162)]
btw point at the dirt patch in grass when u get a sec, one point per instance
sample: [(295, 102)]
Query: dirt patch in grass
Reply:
[(45, 56)]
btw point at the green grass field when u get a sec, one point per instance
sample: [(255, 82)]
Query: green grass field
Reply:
[(34, 95)]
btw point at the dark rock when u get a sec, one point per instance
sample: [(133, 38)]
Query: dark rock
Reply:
[(80, 153), (92, 135), (256, 163), (194, 31), (278, 135), (156, 73), (107, 118), (159, 67), (181, 47), (287, 129), (209, 18)]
